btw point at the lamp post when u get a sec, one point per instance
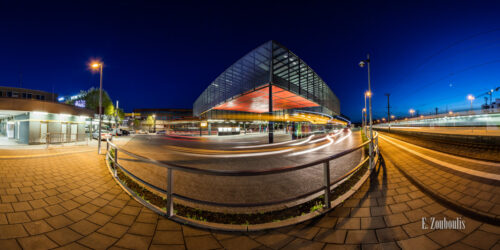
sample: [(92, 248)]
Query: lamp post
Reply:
[(366, 121), (98, 65), (471, 99), (362, 64), (363, 117), (411, 112)]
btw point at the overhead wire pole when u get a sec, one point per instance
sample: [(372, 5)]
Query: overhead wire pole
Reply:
[(388, 112)]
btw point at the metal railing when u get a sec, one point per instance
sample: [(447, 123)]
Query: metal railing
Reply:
[(112, 155)]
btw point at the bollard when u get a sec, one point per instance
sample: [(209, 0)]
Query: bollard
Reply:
[(170, 203), (326, 173)]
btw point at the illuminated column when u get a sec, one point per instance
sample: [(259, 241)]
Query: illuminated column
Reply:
[(270, 127)]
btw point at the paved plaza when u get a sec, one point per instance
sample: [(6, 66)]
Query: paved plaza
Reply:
[(70, 201)]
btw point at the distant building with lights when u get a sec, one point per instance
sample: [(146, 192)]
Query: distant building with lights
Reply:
[(30, 116), (270, 87), (161, 117)]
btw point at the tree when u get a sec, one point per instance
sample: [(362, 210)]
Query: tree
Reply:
[(137, 124), (91, 98), (150, 121)]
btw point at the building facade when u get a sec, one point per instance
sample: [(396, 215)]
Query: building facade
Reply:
[(269, 88), (159, 119), (35, 117)]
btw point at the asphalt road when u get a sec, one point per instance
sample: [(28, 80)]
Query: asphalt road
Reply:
[(246, 152)]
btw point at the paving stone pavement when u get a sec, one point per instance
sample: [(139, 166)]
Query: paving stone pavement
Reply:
[(71, 202), (477, 194)]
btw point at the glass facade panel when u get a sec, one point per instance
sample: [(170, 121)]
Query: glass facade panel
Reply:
[(251, 72)]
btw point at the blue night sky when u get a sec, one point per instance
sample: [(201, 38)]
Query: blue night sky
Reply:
[(426, 54)]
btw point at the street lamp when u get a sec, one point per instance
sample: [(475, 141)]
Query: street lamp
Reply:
[(98, 65), (363, 116), (411, 112), (369, 93), (471, 99), (392, 117)]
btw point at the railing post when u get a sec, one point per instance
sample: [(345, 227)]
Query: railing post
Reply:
[(170, 183), (116, 162), (47, 139), (107, 144), (370, 151), (326, 173)]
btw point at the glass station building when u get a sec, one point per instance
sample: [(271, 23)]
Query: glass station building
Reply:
[(272, 87)]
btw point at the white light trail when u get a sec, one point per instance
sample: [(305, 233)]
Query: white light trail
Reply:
[(237, 155), (313, 149), (264, 145), (302, 142), (343, 138)]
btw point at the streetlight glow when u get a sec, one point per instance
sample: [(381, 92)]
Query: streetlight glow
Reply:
[(411, 112), (471, 99)]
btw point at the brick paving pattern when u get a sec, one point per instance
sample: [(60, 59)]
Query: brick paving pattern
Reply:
[(71, 202), (477, 194)]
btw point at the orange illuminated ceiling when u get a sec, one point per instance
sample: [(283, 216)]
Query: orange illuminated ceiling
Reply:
[(257, 101)]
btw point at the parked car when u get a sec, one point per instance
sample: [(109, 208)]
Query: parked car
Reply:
[(162, 132), (104, 135), (116, 132), (125, 132)]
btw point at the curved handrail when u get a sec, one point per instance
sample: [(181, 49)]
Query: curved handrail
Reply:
[(239, 173)]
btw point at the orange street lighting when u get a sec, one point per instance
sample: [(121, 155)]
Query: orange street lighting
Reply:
[(368, 93), (98, 65), (451, 112)]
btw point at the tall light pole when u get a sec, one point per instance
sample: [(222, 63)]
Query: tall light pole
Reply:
[(471, 99), (369, 93), (98, 65), (363, 117), (366, 120), (411, 112)]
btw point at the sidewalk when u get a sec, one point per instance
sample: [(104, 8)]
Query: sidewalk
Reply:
[(72, 202)]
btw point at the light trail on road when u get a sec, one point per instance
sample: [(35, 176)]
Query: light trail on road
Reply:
[(314, 149)]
